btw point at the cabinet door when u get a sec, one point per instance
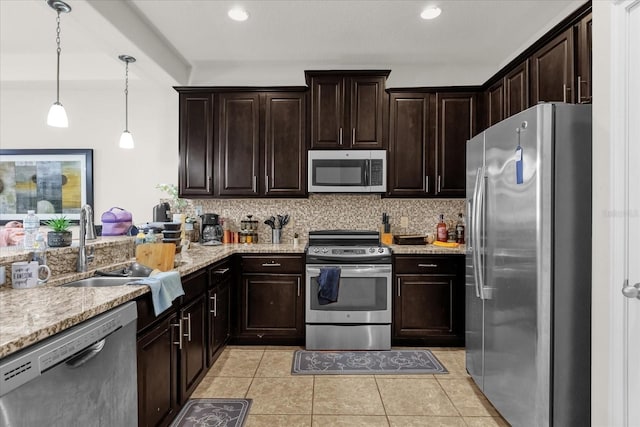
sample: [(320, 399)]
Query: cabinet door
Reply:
[(193, 357), (285, 144), (425, 307), (516, 84), (455, 124), (366, 112), (584, 60), (219, 318), (158, 374), (327, 111), (272, 305), (238, 146), (495, 103), (552, 70), (410, 150), (195, 144)]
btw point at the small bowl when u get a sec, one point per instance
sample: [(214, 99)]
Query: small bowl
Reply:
[(172, 226), (171, 234)]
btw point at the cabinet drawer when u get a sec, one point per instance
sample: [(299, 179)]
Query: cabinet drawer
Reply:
[(195, 285), (428, 264), (146, 314), (272, 264), (218, 273)]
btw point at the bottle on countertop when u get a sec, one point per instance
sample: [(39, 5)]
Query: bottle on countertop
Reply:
[(460, 227), (451, 232), (30, 224), (150, 237), (441, 230), (40, 250), (140, 237)]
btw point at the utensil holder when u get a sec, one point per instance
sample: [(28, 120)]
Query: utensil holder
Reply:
[(276, 233)]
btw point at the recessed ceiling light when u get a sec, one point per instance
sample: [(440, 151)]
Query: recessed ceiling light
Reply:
[(238, 14), (431, 12)]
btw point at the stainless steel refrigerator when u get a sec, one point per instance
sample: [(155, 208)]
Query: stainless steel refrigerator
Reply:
[(528, 265)]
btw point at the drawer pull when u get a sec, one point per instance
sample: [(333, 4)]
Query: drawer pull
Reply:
[(221, 271), (428, 265), (273, 264)]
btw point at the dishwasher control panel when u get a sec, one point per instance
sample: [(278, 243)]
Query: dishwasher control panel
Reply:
[(67, 349)]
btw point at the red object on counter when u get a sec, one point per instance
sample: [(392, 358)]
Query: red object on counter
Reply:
[(441, 230)]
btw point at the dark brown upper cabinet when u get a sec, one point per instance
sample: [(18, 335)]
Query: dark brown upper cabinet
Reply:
[(411, 145), (552, 70), (584, 59), (347, 108), (238, 144), (516, 89), (455, 124), (262, 144), (196, 144), (495, 103)]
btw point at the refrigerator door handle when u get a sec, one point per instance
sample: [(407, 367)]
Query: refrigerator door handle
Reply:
[(474, 233), (478, 232)]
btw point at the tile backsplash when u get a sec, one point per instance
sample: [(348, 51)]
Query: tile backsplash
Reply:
[(334, 211)]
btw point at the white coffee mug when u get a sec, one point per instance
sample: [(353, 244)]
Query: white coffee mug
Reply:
[(24, 275)]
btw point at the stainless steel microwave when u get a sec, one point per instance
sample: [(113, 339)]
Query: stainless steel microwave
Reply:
[(347, 171)]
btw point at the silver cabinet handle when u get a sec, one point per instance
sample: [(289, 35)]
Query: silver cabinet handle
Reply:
[(266, 184), (340, 139), (631, 292), (398, 286), (353, 135), (273, 264), (439, 183), (428, 265), (298, 286), (188, 319), (565, 91), (214, 298), (255, 183), (179, 326), (426, 183), (579, 90), (209, 179), (221, 271)]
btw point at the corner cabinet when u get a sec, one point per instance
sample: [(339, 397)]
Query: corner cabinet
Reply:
[(347, 108), (271, 300), (195, 175), (428, 301)]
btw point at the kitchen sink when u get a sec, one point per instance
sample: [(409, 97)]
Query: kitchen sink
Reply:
[(100, 281)]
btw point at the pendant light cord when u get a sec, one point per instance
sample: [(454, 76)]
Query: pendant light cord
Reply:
[(126, 98), (58, 51)]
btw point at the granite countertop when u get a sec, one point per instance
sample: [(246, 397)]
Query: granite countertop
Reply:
[(30, 315)]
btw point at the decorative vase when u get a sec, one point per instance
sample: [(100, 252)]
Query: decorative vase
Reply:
[(58, 239)]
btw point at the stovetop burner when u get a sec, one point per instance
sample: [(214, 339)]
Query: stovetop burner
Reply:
[(346, 246)]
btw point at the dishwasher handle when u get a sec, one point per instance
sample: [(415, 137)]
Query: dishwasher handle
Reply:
[(85, 355)]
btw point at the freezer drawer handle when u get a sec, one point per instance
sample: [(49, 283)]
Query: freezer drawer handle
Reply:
[(272, 264), (428, 265)]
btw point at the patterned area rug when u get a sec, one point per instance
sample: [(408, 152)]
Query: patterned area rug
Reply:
[(366, 362), (213, 413)]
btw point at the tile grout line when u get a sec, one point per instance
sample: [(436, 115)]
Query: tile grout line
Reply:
[(382, 400), (450, 399)]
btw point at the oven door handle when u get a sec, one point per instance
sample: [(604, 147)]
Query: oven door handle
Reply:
[(356, 271)]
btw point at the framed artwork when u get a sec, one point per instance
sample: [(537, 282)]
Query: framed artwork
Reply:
[(51, 182)]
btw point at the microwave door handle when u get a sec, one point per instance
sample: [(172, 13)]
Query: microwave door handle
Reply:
[(367, 167)]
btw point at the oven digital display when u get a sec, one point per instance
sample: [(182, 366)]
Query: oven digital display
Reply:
[(348, 252)]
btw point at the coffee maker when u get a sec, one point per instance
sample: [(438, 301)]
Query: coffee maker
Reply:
[(210, 229)]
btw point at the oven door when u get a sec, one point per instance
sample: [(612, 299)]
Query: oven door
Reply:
[(364, 295)]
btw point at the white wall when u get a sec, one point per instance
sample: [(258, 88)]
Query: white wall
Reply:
[(124, 178), (601, 316)]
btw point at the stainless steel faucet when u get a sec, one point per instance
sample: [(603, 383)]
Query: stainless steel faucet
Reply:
[(87, 232)]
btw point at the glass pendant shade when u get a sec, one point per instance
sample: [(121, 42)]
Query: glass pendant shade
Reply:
[(126, 140), (57, 116)]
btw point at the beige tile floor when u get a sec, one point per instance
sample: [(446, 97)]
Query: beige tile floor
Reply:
[(263, 374)]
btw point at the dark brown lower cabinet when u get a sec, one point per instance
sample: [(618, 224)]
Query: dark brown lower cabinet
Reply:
[(193, 356), (428, 300), (219, 309), (158, 374), (271, 306)]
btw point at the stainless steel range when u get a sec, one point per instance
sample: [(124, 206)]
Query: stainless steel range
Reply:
[(360, 317)]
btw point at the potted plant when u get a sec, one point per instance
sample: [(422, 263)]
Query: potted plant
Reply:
[(178, 204), (59, 236)]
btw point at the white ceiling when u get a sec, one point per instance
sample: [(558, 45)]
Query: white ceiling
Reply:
[(194, 42)]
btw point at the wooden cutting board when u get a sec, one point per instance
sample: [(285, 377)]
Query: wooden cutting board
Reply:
[(156, 255)]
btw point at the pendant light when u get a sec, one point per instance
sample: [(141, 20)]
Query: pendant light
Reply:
[(126, 140), (57, 117)]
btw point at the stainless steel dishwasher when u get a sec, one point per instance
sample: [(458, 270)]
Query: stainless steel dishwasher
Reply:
[(84, 376)]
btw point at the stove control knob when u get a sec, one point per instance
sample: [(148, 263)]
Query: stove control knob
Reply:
[(316, 250), (380, 250), (372, 250), (325, 250)]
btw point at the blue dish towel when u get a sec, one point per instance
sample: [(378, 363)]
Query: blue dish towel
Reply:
[(328, 285), (165, 287)]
